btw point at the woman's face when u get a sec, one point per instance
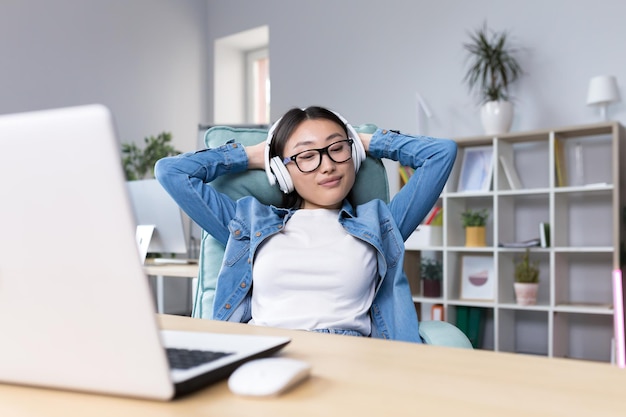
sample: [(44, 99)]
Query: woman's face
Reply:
[(329, 184)]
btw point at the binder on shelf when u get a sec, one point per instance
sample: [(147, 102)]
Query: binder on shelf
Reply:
[(405, 173), (432, 215), (470, 320), (510, 172), (559, 163), (523, 244), (544, 234), (476, 326), (462, 318)]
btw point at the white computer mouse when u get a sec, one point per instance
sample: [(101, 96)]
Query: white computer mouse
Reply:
[(268, 376)]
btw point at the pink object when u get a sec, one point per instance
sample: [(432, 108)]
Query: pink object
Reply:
[(618, 319)]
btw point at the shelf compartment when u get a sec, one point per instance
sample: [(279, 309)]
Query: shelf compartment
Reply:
[(453, 225), (584, 219), (583, 336), (412, 261), (529, 159), (453, 270), (523, 331), (454, 178), (506, 276), (412, 269), (579, 155), (583, 279), (424, 308), (519, 216)]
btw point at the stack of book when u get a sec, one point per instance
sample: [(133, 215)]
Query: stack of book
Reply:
[(542, 241), (471, 321)]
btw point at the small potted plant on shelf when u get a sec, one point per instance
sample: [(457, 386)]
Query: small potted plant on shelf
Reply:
[(492, 68), (431, 274), (526, 280), (474, 222)]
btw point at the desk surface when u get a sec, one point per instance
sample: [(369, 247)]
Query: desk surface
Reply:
[(189, 270), (367, 377)]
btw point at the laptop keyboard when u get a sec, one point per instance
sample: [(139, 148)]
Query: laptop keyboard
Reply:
[(187, 358)]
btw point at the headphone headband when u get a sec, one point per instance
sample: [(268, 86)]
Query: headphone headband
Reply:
[(277, 172)]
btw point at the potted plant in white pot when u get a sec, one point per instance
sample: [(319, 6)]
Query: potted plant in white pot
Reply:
[(431, 274), (493, 67), (474, 222), (526, 280)]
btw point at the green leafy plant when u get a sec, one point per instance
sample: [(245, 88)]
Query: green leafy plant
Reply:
[(492, 64), (527, 271), (431, 269), (139, 163), (472, 218)]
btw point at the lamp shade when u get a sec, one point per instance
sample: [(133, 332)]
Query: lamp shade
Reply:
[(602, 90)]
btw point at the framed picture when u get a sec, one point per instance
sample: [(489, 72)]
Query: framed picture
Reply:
[(476, 169), (477, 278)]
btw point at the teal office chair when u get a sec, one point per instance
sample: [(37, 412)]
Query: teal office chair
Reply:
[(371, 183)]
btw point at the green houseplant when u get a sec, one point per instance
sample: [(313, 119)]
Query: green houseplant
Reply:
[(492, 68), (526, 280), (474, 222), (474, 217), (139, 163), (431, 272)]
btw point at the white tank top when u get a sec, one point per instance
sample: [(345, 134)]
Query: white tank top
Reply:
[(314, 275)]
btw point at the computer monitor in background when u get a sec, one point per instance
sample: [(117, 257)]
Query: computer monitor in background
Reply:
[(152, 205)]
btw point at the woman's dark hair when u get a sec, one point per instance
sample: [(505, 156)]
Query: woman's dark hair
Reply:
[(286, 126)]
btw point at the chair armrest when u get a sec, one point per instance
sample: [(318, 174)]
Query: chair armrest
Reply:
[(442, 333)]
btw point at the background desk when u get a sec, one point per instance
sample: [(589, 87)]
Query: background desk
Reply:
[(366, 377), (159, 271)]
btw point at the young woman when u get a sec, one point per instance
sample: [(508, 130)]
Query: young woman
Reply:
[(316, 263)]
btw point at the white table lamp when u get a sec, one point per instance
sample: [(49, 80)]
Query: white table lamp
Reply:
[(603, 91)]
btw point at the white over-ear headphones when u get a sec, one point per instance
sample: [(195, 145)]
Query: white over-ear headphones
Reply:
[(277, 171)]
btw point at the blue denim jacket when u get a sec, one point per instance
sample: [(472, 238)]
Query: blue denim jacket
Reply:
[(244, 224)]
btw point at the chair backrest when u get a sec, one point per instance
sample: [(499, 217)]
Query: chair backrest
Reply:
[(371, 183)]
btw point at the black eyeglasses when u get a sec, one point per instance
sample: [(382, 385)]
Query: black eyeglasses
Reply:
[(311, 159)]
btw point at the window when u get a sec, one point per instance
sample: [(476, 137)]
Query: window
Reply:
[(241, 79), (258, 86)]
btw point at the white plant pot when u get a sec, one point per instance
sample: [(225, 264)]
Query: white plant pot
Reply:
[(526, 293), (496, 117)]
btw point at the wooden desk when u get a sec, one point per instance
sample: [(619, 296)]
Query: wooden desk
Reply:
[(159, 271), (366, 377)]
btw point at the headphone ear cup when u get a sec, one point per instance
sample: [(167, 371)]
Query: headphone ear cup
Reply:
[(280, 173), (271, 177), (358, 151)]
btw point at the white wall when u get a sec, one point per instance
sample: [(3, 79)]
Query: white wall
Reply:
[(145, 59), (151, 61), (367, 59)]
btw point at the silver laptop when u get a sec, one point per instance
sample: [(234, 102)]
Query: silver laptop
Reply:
[(76, 310)]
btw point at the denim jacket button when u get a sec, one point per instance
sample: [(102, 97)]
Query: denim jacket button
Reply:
[(258, 234), (227, 306), (242, 285), (237, 232)]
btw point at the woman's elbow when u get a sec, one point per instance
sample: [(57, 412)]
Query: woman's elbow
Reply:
[(164, 171), (450, 148)]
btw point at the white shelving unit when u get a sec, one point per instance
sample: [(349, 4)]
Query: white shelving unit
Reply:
[(573, 315)]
